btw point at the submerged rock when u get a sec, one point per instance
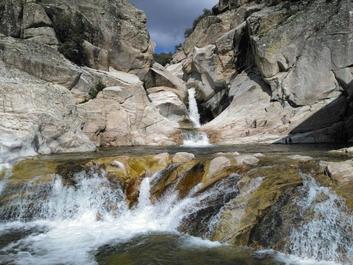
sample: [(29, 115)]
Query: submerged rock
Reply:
[(183, 157)]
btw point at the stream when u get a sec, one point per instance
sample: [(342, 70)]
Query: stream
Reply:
[(87, 218)]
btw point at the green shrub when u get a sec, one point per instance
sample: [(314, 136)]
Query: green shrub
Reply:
[(163, 58), (98, 87), (205, 13)]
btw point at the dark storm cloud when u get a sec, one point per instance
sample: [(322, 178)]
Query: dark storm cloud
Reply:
[(168, 19)]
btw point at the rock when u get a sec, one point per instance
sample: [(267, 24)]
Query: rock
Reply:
[(10, 17), (33, 58), (34, 16), (300, 158), (40, 117), (118, 165), (180, 94), (113, 26), (246, 160), (169, 105), (217, 164), (296, 77), (162, 158), (342, 172), (97, 58), (347, 151), (122, 115), (159, 76), (44, 35), (183, 157), (176, 69)]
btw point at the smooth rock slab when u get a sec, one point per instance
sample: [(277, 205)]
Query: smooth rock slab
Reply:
[(183, 157), (342, 172)]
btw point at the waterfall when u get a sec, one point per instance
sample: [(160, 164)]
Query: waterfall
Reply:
[(194, 138), (327, 234), (5, 173), (193, 109), (75, 219)]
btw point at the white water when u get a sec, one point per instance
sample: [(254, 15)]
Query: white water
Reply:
[(80, 219), (327, 235), (193, 109), (195, 139), (5, 171)]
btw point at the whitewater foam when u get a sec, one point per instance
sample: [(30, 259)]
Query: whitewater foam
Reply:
[(81, 218)]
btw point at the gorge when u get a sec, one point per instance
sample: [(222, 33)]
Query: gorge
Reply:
[(236, 152)]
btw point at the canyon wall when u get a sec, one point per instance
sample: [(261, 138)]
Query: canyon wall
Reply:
[(272, 71)]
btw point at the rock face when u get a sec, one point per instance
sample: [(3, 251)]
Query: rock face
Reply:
[(70, 78), (121, 114), (272, 71)]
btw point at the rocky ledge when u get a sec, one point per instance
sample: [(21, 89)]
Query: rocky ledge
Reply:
[(272, 71), (79, 75), (256, 200)]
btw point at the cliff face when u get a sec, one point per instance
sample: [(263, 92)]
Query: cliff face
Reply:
[(270, 71), (114, 33), (69, 74)]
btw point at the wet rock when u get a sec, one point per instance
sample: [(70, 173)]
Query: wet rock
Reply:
[(216, 165), (118, 164), (189, 179), (183, 157), (342, 172), (346, 151), (246, 160), (163, 158), (259, 189), (300, 158)]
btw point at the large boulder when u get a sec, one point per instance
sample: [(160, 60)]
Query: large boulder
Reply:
[(123, 115), (116, 27), (41, 118), (169, 105), (341, 172)]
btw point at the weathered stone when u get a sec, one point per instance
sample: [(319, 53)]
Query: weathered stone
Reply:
[(169, 105), (122, 115), (40, 117), (44, 35), (217, 164), (246, 160), (34, 16), (342, 172), (183, 157), (300, 158), (10, 17), (114, 26)]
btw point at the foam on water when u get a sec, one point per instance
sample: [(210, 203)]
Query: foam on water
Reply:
[(327, 235), (83, 217), (195, 139), (5, 171)]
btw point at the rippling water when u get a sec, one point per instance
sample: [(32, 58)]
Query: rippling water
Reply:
[(90, 223)]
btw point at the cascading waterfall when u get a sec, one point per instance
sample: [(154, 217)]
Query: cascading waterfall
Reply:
[(5, 172), (65, 221), (193, 109), (327, 234), (194, 137), (74, 220)]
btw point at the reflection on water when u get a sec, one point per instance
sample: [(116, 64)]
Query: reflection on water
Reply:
[(166, 249)]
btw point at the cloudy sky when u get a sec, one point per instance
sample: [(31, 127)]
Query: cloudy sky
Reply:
[(168, 19)]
